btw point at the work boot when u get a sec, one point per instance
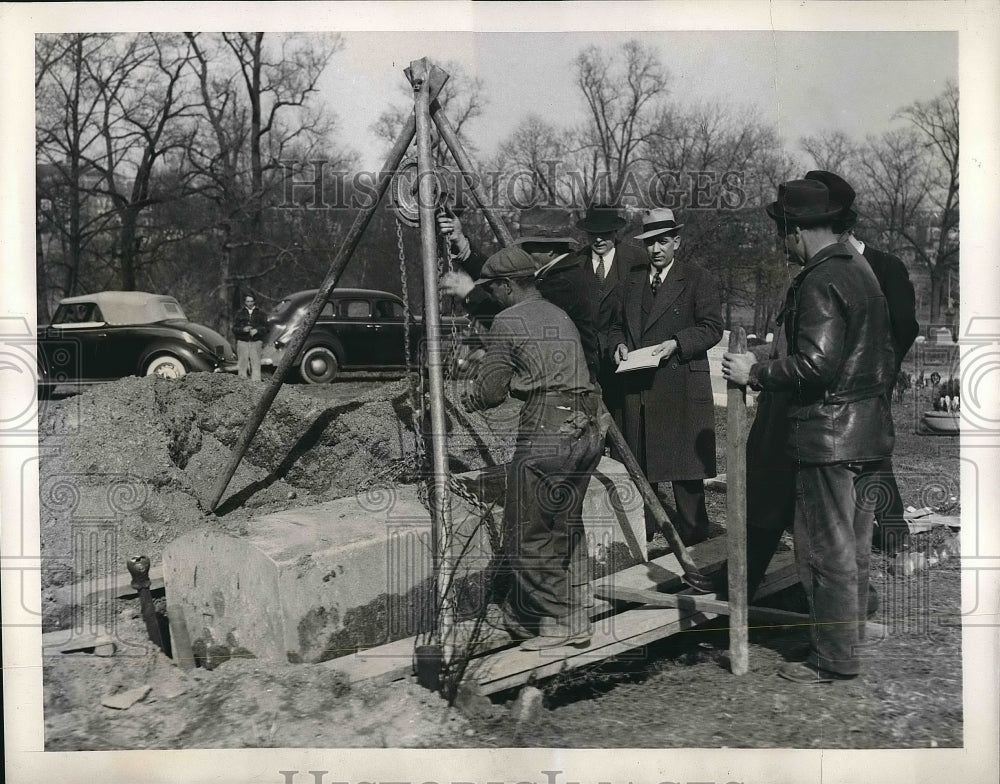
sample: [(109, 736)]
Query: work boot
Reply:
[(502, 618), (557, 632)]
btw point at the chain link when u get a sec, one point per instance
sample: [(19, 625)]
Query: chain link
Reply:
[(416, 390)]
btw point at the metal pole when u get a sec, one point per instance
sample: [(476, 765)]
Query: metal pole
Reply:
[(441, 500), (691, 572), (466, 167), (347, 249), (736, 514)]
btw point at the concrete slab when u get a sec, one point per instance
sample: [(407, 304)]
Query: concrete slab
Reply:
[(315, 583)]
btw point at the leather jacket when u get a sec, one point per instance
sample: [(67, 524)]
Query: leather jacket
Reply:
[(840, 362), (243, 322)]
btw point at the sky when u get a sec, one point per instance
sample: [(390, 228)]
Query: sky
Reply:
[(804, 82)]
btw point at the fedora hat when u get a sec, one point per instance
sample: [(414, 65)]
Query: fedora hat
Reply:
[(509, 262), (544, 224), (658, 221), (601, 219), (803, 203), (840, 193)]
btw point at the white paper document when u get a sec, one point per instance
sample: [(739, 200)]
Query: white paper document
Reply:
[(640, 358)]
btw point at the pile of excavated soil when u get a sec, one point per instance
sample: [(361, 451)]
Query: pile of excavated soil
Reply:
[(242, 704), (128, 466)]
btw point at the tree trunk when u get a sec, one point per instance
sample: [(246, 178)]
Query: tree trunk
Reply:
[(937, 290), (129, 242)]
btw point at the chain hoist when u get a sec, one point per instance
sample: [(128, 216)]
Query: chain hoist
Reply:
[(415, 389)]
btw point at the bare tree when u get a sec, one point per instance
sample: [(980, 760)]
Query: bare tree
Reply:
[(538, 160), (624, 93), (144, 104), (936, 121), (67, 110), (910, 191), (461, 99), (260, 121), (832, 151)]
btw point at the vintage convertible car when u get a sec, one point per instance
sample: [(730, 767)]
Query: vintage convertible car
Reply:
[(111, 334), (357, 329)]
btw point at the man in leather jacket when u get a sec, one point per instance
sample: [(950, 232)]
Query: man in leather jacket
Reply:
[(837, 376), (894, 280)]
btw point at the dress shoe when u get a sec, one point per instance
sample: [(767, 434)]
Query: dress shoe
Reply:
[(809, 674), (558, 632)]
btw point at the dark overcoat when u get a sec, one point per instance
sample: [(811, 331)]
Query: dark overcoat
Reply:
[(894, 280), (679, 421), (608, 302)]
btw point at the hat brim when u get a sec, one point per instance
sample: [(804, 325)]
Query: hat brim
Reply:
[(778, 215), (550, 240), (657, 232), (521, 274), (601, 227)]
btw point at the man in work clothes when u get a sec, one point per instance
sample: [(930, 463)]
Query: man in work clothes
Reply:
[(533, 353), (611, 262), (836, 376), (249, 327), (894, 280), (669, 413), (561, 276)]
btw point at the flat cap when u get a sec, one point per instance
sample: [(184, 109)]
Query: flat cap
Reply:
[(511, 262)]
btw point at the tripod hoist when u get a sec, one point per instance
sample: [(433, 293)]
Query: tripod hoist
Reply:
[(416, 206)]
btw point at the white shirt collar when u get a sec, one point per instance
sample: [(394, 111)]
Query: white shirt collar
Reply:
[(609, 257), (662, 274), (859, 246)]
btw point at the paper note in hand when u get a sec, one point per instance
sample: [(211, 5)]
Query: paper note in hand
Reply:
[(639, 359)]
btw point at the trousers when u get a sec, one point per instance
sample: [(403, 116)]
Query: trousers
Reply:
[(545, 543), (833, 529), (248, 358)]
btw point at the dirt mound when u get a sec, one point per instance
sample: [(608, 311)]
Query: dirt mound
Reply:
[(242, 704), (129, 466)]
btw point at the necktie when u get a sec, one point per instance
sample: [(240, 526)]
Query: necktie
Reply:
[(654, 283), (601, 269)]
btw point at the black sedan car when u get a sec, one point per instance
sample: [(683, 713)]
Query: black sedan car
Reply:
[(357, 329), (111, 334)]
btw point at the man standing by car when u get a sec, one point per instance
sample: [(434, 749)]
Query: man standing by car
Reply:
[(249, 327), (669, 413), (836, 375), (534, 354)]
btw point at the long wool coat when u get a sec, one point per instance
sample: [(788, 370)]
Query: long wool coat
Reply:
[(679, 422)]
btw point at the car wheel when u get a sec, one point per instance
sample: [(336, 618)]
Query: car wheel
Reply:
[(166, 367), (319, 365)]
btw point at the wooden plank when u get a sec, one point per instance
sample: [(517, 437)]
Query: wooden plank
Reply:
[(180, 639), (664, 573), (736, 514), (710, 603), (394, 660), (614, 636), (626, 632)]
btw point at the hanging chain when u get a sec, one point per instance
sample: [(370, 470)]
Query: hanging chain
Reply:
[(416, 394)]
